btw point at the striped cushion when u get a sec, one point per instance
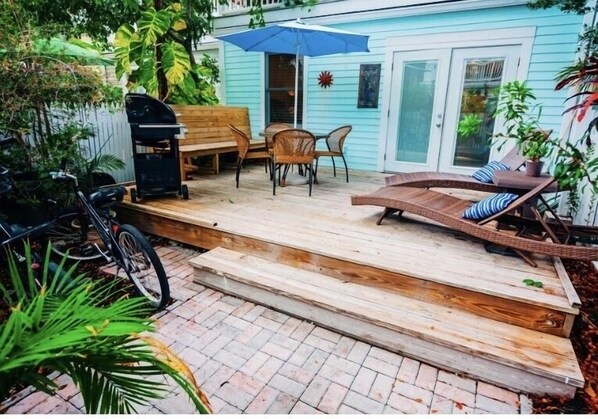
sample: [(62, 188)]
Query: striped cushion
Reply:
[(484, 174), (489, 206)]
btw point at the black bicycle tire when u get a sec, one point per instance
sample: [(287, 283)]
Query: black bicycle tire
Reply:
[(95, 256), (144, 245)]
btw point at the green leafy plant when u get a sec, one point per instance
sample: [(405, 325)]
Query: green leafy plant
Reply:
[(576, 163), (536, 145), (567, 6), (156, 52), (469, 124), (521, 118), (533, 283), (81, 328)]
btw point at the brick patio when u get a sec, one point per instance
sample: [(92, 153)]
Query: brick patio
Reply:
[(250, 359)]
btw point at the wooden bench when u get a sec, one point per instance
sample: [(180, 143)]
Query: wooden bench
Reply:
[(208, 133)]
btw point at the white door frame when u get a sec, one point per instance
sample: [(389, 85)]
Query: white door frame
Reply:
[(443, 60), (451, 117), (523, 36)]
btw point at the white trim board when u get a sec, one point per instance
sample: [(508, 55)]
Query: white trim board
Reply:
[(384, 9), (464, 39), (523, 36), (262, 91), (348, 11), (223, 88)]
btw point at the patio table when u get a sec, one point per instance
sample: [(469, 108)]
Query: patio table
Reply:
[(299, 179), (319, 136), (518, 181)]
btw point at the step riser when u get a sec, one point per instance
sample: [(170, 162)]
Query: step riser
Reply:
[(412, 346), (517, 313)]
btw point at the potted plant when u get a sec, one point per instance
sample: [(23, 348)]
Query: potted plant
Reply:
[(535, 146)]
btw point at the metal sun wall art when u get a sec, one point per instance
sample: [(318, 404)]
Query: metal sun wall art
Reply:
[(325, 79)]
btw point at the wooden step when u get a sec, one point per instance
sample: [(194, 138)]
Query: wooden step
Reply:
[(500, 353), (420, 266)]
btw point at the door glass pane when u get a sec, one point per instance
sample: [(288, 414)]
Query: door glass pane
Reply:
[(478, 103), (415, 113), (280, 90)]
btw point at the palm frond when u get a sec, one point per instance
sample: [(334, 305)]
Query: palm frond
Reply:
[(105, 162), (64, 322)]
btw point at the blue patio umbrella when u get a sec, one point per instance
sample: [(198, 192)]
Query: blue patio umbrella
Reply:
[(300, 39)]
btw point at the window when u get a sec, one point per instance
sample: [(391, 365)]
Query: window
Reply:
[(280, 89)]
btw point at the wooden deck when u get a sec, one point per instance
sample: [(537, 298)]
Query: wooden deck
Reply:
[(438, 274)]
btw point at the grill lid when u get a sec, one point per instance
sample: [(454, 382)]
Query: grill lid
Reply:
[(142, 108)]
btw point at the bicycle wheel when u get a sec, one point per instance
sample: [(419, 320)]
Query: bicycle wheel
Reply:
[(142, 265), (66, 239)]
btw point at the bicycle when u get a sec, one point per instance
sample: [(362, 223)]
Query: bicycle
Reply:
[(91, 232)]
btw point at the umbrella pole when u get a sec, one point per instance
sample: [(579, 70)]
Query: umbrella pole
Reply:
[(296, 87)]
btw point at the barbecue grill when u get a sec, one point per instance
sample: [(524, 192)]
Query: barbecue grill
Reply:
[(155, 134)]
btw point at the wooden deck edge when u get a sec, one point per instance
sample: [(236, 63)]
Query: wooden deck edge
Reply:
[(529, 315), (566, 281), (412, 346)]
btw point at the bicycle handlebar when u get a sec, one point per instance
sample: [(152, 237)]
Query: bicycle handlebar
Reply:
[(63, 174)]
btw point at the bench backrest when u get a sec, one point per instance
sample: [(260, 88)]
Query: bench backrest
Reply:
[(209, 124)]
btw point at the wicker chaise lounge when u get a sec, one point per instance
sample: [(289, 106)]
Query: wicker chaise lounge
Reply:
[(513, 159), (448, 210)]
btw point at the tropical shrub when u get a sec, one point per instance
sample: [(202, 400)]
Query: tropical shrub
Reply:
[(156, 53), (84, 329), (43, 90), (577, 160)]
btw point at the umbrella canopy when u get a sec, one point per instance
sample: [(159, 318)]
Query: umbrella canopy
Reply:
[(300, 39)]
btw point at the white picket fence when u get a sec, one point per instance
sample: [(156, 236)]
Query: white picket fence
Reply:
[(112, 136)]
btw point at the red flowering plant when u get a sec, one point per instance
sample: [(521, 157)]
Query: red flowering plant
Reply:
[(576, 165)]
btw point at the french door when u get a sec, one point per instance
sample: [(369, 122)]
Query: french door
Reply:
[(431, 91)]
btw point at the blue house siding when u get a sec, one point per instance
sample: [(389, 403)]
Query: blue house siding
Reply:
[(242, 79), (553, 48)]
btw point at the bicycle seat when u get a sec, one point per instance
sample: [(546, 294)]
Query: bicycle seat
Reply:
[(107, 196)]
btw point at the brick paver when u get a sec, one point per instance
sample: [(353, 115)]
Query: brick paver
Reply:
[(252, 359)]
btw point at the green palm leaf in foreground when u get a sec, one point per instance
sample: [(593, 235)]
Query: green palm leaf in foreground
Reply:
[(67, 325)]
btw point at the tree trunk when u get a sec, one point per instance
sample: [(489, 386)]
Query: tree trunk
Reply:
[(160, 76)]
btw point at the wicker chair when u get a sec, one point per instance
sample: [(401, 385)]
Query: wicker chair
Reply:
[(292, 146), (335, 141), (271, 129), (514, 159), (447, 209), (245, 154)]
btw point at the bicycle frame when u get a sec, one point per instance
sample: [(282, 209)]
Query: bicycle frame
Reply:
[(107, 231)]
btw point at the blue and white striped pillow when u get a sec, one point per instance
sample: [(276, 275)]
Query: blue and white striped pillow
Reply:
[(484, 174), (489, 206)]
